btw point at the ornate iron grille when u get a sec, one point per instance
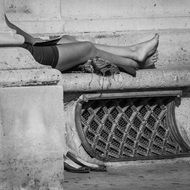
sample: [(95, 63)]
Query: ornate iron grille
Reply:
[(127, 129)]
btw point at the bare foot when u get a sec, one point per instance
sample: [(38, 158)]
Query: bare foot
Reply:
[(145, 50), (149, 63)]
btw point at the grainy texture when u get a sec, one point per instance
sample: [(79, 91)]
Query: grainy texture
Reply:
[(174, 77), (32, 140), (131, 176)]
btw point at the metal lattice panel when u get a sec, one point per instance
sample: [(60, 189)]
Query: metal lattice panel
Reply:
[(121, 129)]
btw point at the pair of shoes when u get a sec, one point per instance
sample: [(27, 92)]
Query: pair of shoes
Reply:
[(72, 169), (77, 165), (100, 168)]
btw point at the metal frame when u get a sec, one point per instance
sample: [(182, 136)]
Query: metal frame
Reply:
[(170, 120)]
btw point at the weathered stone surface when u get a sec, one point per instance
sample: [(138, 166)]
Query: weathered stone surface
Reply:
[(18, 68), (7, 36), (7, 39), (173, 77), (32, 139), (36, 16), (109, 15), (157, 175), (59, 16), (33, 77), (125, 9), (17, 58), (182, 113)]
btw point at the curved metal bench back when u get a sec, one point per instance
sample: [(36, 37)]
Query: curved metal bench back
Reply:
[(124, 129)]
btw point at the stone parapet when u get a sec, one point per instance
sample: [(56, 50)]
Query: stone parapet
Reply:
[(18, 68), (32, 142), (165, 78), (30, 77)]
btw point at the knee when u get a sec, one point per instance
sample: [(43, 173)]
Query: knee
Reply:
[(69, 38), (90, 48), (89, 45)]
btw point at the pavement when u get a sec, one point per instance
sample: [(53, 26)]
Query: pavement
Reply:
[(161, 175)]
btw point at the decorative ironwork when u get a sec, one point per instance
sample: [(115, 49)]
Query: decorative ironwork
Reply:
[(128, 129)]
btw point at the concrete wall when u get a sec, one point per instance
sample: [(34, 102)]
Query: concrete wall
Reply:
[(122, 15), (31, 138), (36, 16), (56, 16)]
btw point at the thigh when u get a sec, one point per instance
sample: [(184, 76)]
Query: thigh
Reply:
[(72, 54)]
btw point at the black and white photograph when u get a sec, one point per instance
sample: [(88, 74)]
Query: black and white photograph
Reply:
[(94, 94)]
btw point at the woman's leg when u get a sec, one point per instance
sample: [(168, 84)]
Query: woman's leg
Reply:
[(73, 54), (138, 52)]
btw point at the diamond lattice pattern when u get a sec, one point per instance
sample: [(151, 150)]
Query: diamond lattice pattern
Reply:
[(128, 128)]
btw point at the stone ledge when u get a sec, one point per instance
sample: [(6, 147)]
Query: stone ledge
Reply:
[(18, 68), (165, 78), (17, 58), (29, 77), (123, 24)]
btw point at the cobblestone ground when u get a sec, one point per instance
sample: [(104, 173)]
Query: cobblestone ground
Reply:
[(170, 176)]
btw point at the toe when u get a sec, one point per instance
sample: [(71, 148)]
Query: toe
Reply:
[(155, 57)]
